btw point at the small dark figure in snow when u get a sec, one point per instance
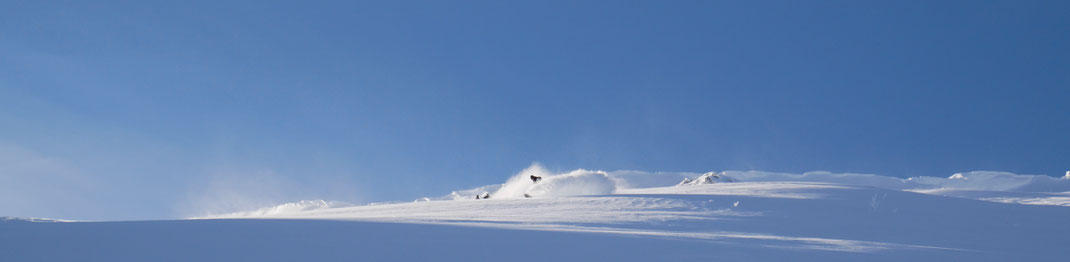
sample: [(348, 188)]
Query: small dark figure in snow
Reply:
[(535, 178), (477, 196), (527, 195)]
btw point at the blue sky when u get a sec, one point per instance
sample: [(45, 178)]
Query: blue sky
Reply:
[(145, 110)]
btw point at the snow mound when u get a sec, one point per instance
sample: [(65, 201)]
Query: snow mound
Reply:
[(707, 178)]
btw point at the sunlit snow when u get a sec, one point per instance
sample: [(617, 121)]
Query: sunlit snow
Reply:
[(622, 215)]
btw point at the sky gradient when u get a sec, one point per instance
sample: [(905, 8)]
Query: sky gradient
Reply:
[(147, 110)]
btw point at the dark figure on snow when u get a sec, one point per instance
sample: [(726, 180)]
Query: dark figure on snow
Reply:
[(535, 178)]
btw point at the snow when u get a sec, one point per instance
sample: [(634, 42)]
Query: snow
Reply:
[(586, 215), (576, 183), (288, 208), (707, 178), (31, 220)]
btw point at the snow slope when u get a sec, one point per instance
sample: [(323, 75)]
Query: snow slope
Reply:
[(588, 215)]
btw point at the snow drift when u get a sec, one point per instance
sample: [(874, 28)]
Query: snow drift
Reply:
[(996, 181), (1048, 190), (786, 220), (636, 215), (990, 186)]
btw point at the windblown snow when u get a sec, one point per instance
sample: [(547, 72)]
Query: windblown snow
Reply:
[(996, 186), (576, 183), (585, 215)]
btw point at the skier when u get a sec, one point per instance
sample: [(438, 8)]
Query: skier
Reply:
[(535, 178)]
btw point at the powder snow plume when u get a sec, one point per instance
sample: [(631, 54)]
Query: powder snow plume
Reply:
[(575, 183)]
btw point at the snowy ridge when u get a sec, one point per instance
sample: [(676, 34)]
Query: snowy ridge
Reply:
[(785, 215), (1002, 187), (570, 184), (586, 215)]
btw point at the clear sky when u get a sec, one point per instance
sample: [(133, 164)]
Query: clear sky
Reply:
[(145, 110)]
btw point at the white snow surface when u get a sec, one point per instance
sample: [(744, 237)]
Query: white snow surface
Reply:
[(586, 215), (31, 220), (707, 178)]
